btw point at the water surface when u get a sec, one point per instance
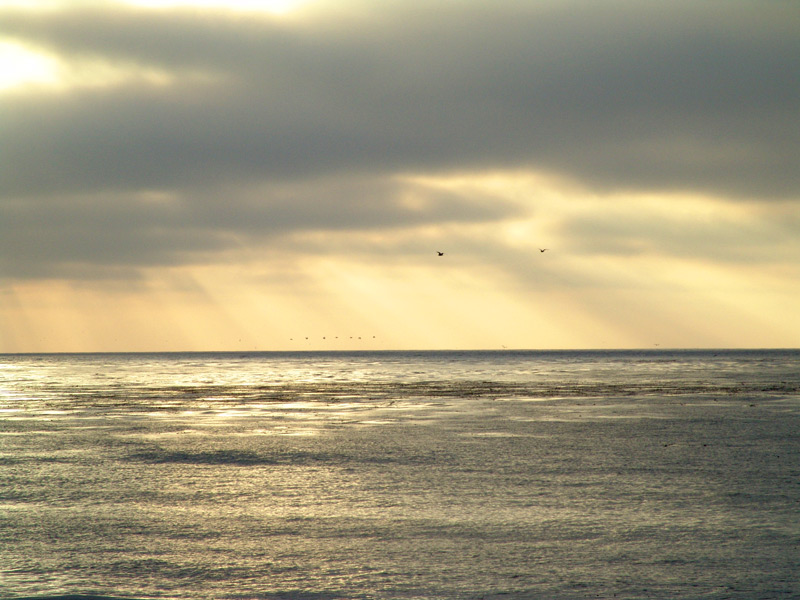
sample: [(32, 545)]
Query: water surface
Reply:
[(660, 474)]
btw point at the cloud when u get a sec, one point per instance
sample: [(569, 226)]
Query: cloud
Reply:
[(119, 231), (684, 228), (253, 127), (617, 94)]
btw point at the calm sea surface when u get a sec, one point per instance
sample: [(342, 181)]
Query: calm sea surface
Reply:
[(425, 475)]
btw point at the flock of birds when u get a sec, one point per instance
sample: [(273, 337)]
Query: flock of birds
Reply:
[(336, 337), (440, 253)]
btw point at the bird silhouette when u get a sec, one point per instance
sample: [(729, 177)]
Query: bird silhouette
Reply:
[(440, 253), (543, 249)]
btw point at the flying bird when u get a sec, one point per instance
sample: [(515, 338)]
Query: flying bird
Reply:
[(543, 249), (440, 253)]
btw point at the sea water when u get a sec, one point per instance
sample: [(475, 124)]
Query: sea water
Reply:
[(380, 475)]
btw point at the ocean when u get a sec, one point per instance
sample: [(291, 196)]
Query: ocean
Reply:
[(401, 475)]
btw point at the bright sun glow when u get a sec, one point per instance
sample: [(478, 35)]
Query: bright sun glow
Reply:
[(21, 66), (276, 7)]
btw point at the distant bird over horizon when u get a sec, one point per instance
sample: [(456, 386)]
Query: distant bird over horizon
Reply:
[(543, 249), (440, 253)]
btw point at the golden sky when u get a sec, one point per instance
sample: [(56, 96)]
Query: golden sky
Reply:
[(280, 175)]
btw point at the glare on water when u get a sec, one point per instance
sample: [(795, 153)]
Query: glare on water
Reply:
[(401, 475)]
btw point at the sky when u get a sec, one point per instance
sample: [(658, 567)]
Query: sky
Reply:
[(280, 175)]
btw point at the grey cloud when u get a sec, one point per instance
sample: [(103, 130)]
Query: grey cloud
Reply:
[(765, 238), (614, 95), (118, 232), (617, 94)]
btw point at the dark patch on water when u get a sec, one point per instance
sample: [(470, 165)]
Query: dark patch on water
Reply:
[(293, 458), (177, 398), (70, 597), (281, 595)]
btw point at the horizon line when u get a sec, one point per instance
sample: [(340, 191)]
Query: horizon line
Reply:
[(416, 350)]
